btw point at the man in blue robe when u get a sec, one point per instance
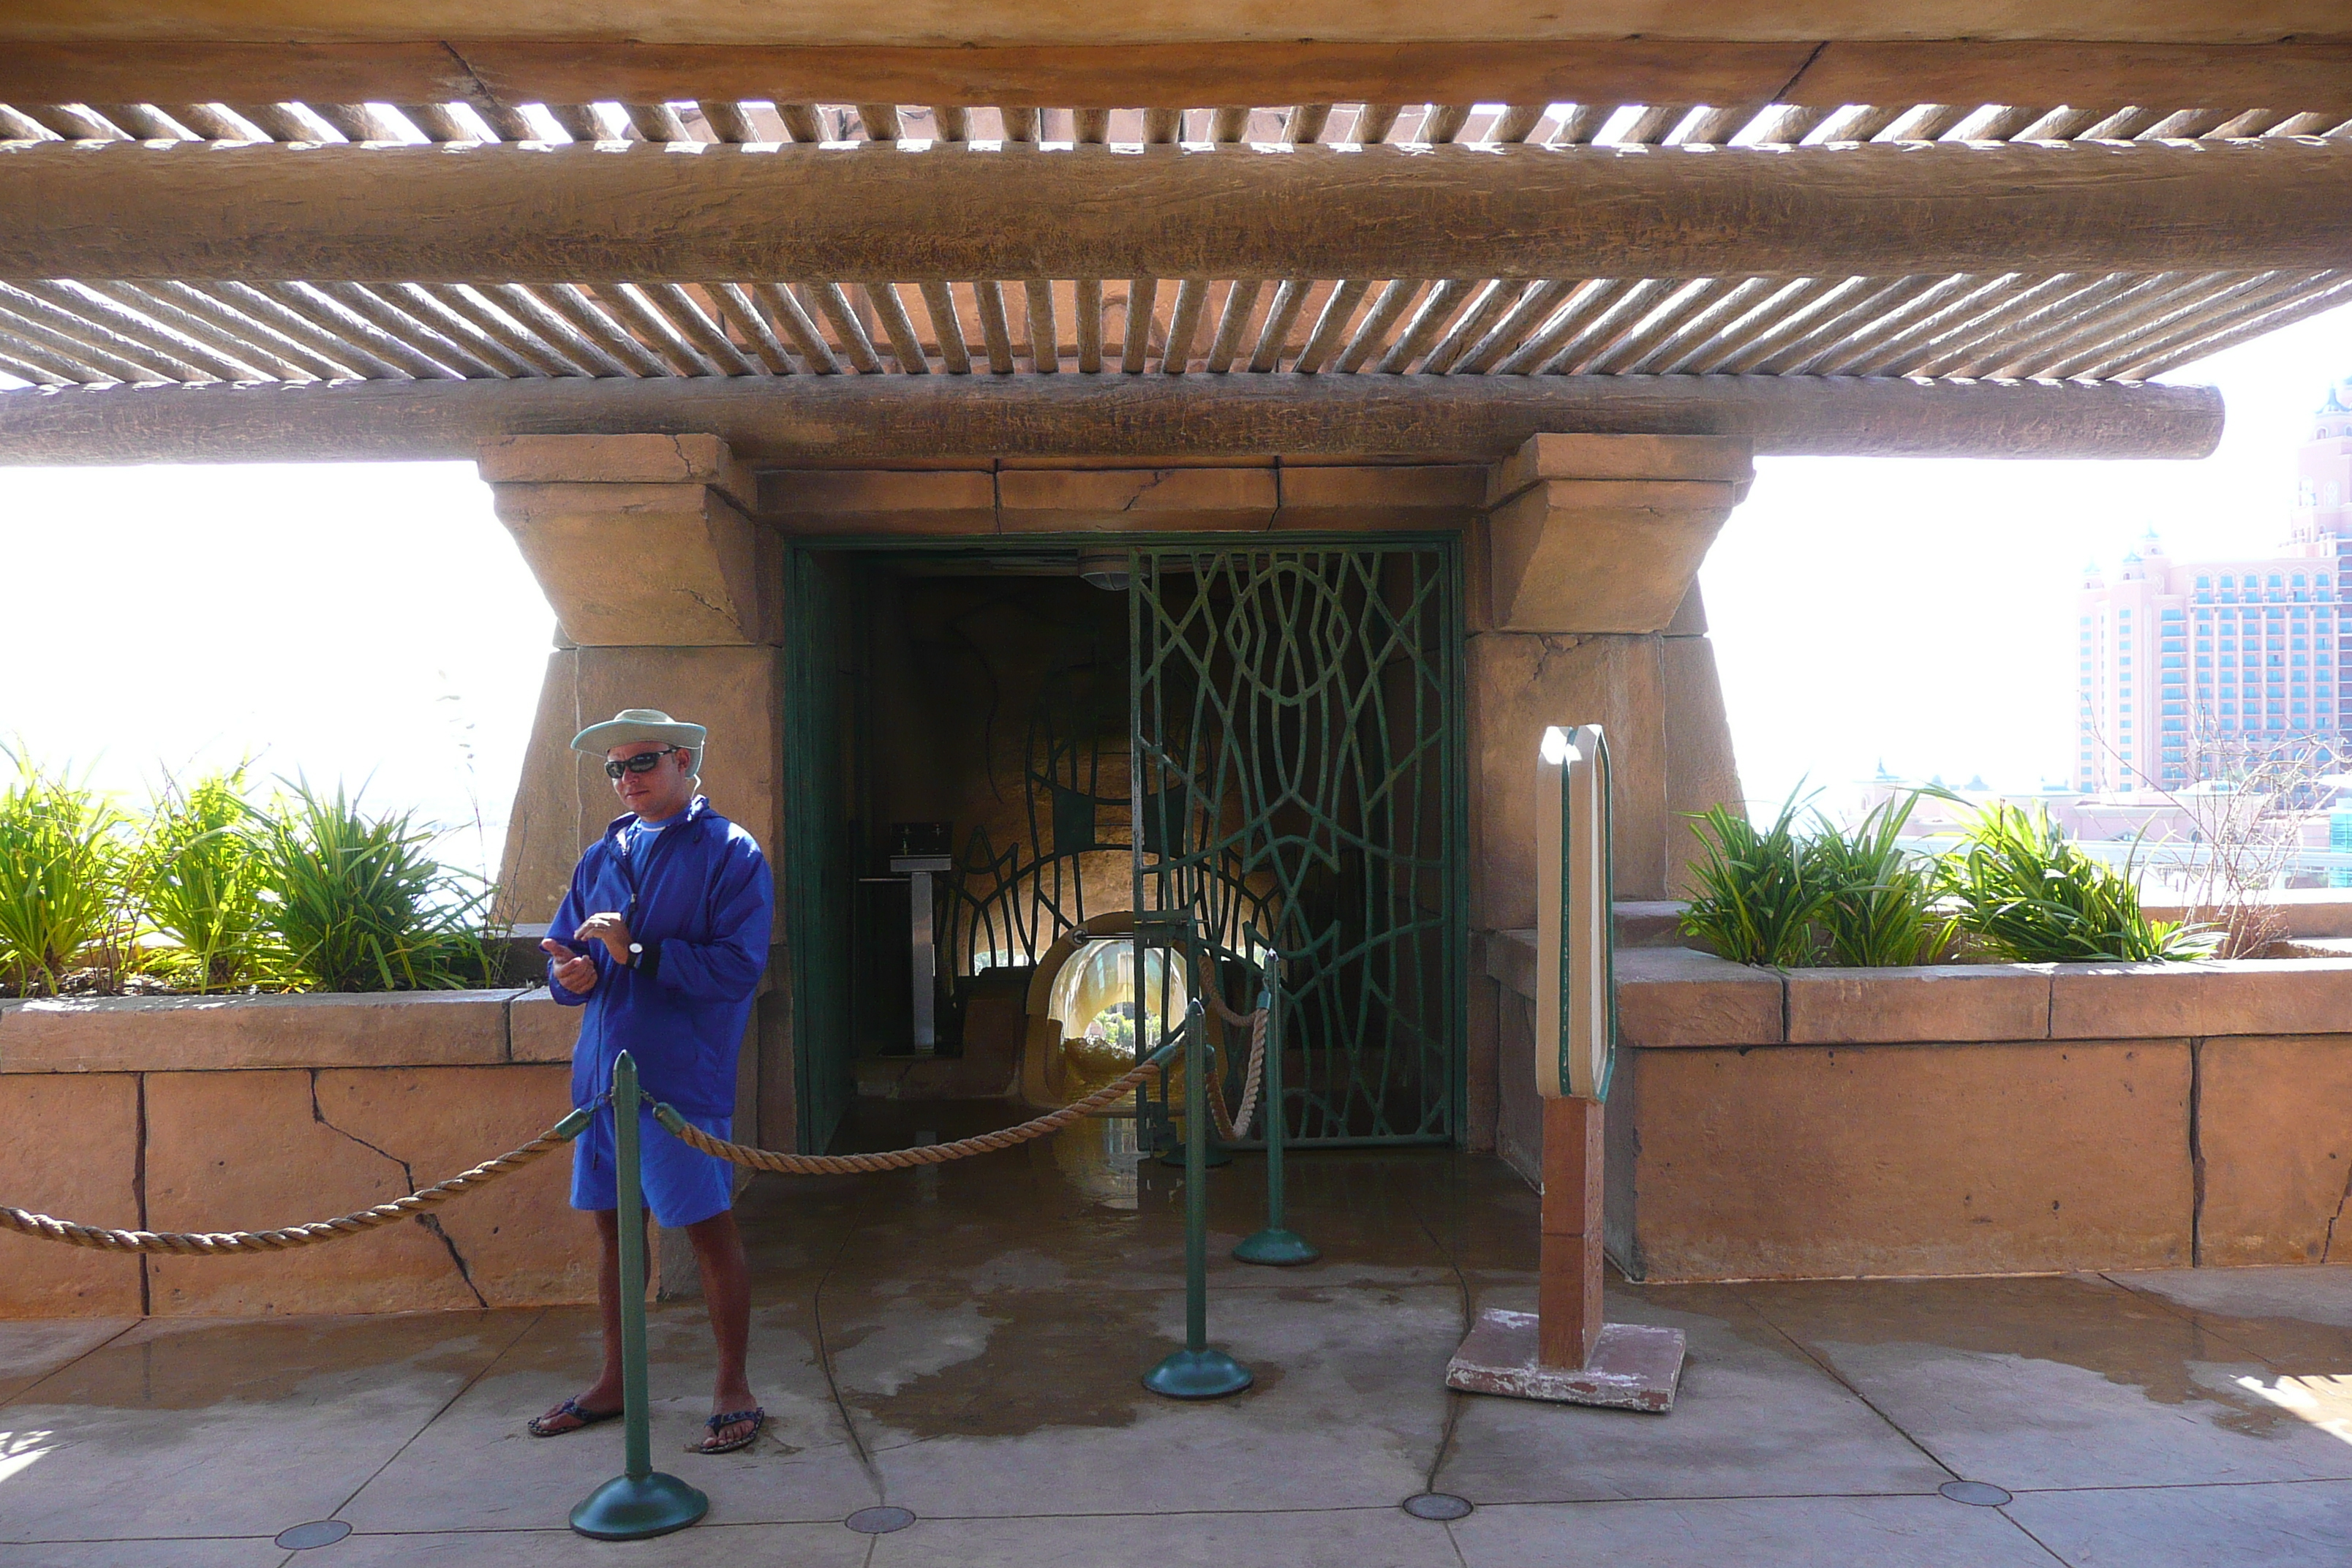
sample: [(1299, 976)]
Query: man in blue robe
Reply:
[(661, 940)]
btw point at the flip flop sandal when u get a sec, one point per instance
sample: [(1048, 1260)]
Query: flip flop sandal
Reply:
[(711, 1445), (537, 1426)]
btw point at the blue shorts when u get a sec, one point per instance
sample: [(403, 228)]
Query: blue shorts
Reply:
[(682, 1186)]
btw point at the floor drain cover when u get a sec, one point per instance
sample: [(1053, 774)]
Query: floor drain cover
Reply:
[(1437, 1505), (879, 1520), (1983, 1494), (318, 1532)]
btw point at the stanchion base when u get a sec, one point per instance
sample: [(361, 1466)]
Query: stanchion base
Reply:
[(1635, 1366), (626, 1509), (1276, 1249), (1198, 1374), (1212, 1158)]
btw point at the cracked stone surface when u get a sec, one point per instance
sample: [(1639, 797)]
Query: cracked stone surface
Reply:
[(315, 1141), (966, 1343)]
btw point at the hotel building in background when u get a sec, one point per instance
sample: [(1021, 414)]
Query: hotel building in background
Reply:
[(2189, 667)]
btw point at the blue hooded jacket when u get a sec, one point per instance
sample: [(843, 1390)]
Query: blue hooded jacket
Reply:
[(701, 901)]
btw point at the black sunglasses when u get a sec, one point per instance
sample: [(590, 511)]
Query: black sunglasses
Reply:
[(643, 763)]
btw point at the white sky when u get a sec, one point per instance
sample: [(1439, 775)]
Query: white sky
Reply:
[(373, 622), (1922, 610), (367, 622)]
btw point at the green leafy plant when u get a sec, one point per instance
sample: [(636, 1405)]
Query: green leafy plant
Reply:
[(61, 879), (2028, 893), (198, 879), (1757, 897), (358, 903), (1883, 907)]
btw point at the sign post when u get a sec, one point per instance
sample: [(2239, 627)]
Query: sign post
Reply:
[(1565, 1350)]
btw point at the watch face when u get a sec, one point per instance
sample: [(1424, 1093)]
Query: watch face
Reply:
[(636, 947)]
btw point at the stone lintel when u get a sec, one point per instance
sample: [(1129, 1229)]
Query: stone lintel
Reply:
[(1122, 499), (884, 502), (1418, 496), (620, 460), (1079, 496)]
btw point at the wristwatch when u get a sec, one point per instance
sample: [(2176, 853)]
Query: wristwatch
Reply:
[(645, 957)]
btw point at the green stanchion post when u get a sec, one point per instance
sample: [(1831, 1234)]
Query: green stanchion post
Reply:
[(1196, 1372), (641, 1500), (1278, 1246)]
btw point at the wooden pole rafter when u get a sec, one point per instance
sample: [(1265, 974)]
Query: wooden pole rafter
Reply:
[(871, 419), (662, 213)]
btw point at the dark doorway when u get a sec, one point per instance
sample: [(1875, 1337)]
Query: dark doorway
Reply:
[(1299, 717)]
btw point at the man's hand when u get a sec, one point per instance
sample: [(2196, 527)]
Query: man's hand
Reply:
[(611, 929), (576, 971)]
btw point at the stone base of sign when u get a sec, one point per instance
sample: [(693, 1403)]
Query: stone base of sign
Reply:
[(1635, 1366)]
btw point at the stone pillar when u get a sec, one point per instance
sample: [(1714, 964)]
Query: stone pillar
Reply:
[(1584, 609), (667, 595)]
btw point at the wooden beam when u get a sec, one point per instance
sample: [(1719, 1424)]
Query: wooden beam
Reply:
[(1102, 76), (694, 212), (2288, 77), (864, 421)]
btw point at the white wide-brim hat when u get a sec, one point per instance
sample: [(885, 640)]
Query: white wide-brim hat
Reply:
[(638, 724)]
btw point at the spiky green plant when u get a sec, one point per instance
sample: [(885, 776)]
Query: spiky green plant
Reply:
[(358, 902), (1757, 897), (198, 878), (2028, 893), (61, 878), (1882, 899)]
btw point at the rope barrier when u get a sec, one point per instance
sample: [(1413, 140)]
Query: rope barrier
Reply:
[(44, 1228), (744, 1155), (1230, 1127), (47, 1228)]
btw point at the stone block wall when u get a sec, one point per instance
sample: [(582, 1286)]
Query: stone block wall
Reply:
[(1979, 1119), (258, 1113)]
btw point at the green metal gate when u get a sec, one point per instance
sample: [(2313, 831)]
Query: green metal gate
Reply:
[(818, 871), (1297, 778)]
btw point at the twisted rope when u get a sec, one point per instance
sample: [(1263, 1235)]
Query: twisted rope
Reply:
[(204, 1244), (1230, 1127), (694, 1137)]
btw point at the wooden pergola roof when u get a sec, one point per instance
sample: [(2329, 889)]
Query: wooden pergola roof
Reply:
[(1524, 238)]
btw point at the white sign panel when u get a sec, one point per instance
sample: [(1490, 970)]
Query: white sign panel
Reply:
[(1575, 1008)]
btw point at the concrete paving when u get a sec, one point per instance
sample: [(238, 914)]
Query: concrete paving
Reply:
[(965, 1343)]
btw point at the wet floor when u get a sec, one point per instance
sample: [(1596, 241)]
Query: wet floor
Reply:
[(965, 1342)]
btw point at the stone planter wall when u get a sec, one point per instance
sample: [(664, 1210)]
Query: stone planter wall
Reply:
[(252, 1113), (1969, 1119)]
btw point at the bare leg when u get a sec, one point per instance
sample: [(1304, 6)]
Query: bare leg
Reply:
[(605, 1393), (727, 1288)]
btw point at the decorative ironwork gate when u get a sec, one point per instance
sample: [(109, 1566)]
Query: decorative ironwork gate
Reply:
[(1297, 758)]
